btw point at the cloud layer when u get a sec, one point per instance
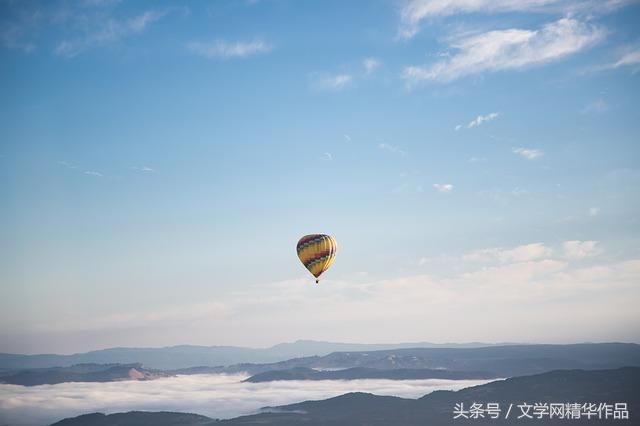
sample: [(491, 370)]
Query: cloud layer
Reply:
[(216, 396), (574, 281)]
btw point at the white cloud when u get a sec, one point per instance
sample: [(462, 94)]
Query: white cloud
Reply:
[(443, 187), (596, 107), (146, 169), (458, 127), (580, 249), (408, 188), (528, 153), (517, 191), (109, 31), (370, 65), (327, 156), (12, 36), (216, 396), (476, 159), (413, 12), (332, 82), (510, 49), (482, 119), (68, 165), (594, 211), (225, 49), (523, 253), (631, 57), (392, 148)]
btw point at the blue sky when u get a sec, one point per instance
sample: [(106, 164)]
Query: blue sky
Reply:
[(477, 163)]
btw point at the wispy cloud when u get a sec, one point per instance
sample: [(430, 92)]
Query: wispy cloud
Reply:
[(629, 58), (510, 49), (180, 314), (19, 24), (594, 211), (370, 65), (68, 165), (443, 187), (580, 249), (528, 153), (523, 253), (109, 31), (596, 107), (476, 159), (458, 127), (225, 49), (482, 119), (327, 156), (392, 148), (347, 137), (77, 169), (13, 36), (413, 12), (146, 169), (332, 82)]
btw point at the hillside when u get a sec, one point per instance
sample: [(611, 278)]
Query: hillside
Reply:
[(302, 373), (137, 418), (81, 373), (567, 386)]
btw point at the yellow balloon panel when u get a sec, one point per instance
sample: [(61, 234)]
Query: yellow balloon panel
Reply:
[(317, 252)]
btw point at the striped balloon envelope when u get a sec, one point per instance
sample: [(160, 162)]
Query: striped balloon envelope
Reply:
[(317, 252)]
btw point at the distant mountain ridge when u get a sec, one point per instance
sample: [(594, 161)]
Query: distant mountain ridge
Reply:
[(185, 356), (502, 361), (81, 373), (395, 364), (356, 373)]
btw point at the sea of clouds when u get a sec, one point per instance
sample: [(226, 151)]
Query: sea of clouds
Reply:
[(216, 396)]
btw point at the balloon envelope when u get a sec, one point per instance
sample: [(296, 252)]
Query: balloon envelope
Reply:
[(317, 252)]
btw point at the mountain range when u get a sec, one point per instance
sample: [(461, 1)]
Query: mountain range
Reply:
[(355, 373), (501, 361), (81, 373), (185, 356), (396, 364)]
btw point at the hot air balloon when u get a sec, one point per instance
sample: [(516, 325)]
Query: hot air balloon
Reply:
[(317, 252)]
